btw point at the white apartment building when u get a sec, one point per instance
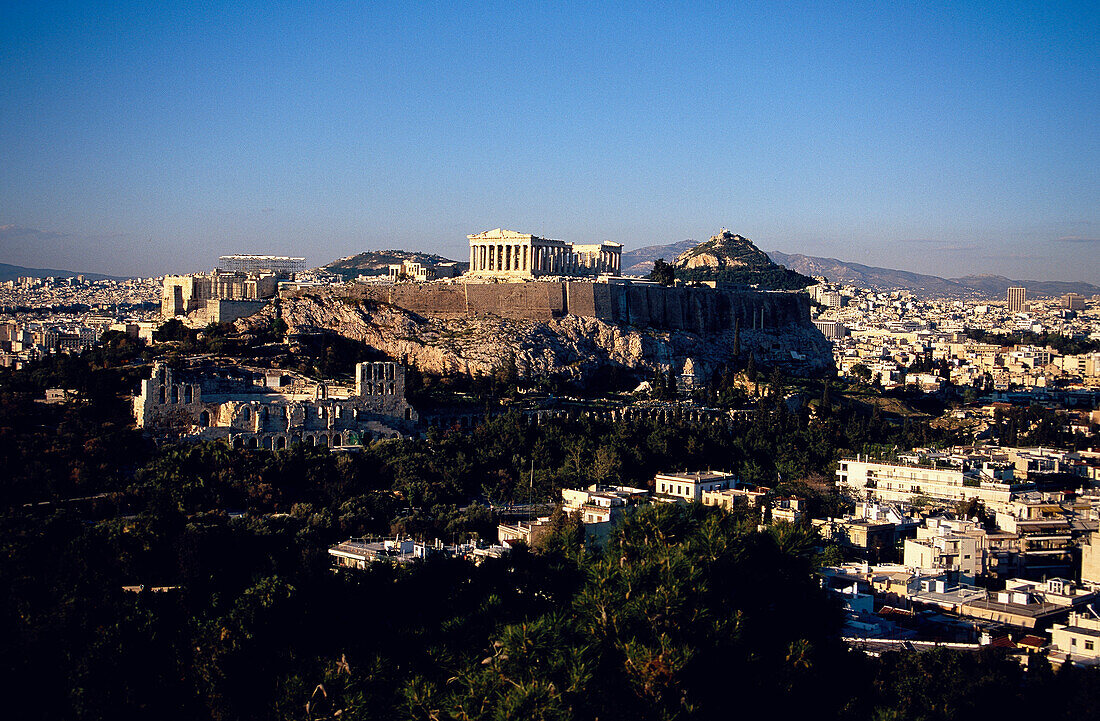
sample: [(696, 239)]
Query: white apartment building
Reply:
[(947, 545), (691, 486), (991, 483), (1078, 640)]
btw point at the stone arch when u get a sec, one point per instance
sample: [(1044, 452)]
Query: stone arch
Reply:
[(188, 394), (246, 414), (175, 394), (204, 419), (309, 441), (252, 443), (238, 443), (322, 440), (280, 443), (266, 443)]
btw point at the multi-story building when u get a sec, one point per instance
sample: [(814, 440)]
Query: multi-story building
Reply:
[(991, 483), (1017, 300), (1073, 301), (508, 254), (1090, 557), (1045, 542), (948, 545)]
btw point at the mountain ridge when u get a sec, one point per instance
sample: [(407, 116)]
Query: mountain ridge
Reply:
[(11, 272), (640, 262)]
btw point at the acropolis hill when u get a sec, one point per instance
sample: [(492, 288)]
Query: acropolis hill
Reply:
[(567, 329)]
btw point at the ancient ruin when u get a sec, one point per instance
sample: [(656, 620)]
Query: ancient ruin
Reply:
[(508, 254), (273, 409)]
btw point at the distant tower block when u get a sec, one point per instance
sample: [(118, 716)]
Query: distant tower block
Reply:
[(284, 267), (1017, 300)]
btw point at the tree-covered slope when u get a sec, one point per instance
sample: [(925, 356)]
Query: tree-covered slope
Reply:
[(376, 262), (732, 258)]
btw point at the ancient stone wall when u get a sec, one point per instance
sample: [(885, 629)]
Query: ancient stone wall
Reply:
[(698, 310)]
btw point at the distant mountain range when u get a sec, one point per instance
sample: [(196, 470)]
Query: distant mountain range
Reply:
[(11, 272), (640, 262)]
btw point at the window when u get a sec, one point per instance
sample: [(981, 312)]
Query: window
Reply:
[(1073, 642), (1088, 645)]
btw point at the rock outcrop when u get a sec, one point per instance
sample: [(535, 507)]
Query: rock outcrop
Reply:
[(573, 346)]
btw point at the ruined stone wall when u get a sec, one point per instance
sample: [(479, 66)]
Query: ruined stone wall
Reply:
[(698, 310), (227, 404)]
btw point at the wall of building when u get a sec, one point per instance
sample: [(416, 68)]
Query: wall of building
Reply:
[(699, 310)]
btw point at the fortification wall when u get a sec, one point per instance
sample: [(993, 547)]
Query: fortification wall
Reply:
[(698, 310)]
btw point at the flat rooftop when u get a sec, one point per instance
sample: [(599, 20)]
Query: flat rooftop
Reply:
[(696, 477)]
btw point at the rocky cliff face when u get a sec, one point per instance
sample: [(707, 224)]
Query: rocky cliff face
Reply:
[(570, 345)]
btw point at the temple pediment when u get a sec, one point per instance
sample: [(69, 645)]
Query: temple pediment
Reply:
[(501, 234)]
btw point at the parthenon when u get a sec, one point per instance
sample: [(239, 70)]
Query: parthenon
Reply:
[(506, 253)]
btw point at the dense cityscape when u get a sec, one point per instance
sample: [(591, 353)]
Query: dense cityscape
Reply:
[(549, 361), (930, 483)]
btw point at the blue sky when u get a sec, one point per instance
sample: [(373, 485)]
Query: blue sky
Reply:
[(947, 138)]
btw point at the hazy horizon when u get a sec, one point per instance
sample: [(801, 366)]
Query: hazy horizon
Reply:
[(141, 140)]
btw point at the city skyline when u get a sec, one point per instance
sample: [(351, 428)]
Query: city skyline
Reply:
[(944, 141)]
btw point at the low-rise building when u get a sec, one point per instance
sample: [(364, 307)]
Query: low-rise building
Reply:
[(1030, 604), (788, 509), (361, 553), (730, 498), (1077, 640), (691, 486), (600, 508), (870, 541), (529, 533)]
